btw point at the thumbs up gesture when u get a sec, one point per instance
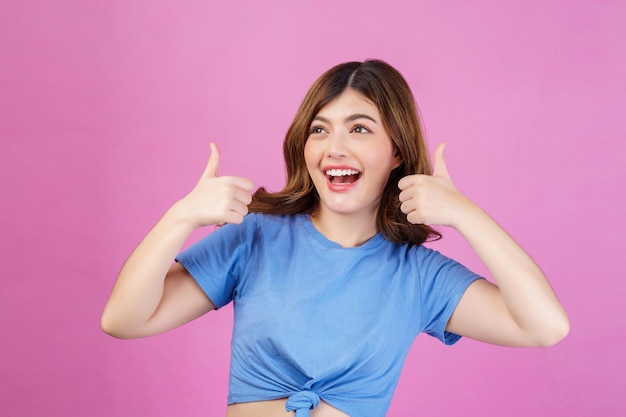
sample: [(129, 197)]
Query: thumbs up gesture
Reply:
[(215, 199), (432, 199)]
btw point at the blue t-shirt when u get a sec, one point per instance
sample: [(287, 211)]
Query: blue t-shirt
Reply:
[(316, 320)]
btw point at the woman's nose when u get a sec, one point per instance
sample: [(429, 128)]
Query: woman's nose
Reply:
[(337, 145)]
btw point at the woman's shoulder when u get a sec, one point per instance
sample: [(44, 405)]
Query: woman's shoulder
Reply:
[(272, 219), (266, 223), (425, 253), (252, 220), (419, 254)]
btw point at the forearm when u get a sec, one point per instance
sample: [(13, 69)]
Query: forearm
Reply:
[(528, 296), (141, 289), (139, 286)]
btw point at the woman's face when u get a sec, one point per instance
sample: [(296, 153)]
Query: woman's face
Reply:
[(349, 155)]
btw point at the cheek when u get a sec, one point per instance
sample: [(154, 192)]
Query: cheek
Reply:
[(311, 155), (383, 158), (393, 159), (307, 156)]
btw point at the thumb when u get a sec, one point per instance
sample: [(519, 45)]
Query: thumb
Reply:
[(440, 169), (214, 162)]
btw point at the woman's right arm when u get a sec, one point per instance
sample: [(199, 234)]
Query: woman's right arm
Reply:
[(152, 294)]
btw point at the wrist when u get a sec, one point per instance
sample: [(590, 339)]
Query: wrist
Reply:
[(181, 216), (467, 214)]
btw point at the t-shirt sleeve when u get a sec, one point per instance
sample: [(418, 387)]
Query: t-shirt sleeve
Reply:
[(443, 282), (216, 261)]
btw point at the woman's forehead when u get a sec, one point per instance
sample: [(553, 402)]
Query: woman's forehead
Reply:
[(348, 103)]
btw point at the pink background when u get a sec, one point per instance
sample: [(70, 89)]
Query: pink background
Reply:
[(106, 112)]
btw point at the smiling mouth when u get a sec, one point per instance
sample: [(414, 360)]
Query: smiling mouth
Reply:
[(342, 176)]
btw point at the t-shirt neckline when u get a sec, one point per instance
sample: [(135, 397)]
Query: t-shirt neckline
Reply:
[(371, 243)]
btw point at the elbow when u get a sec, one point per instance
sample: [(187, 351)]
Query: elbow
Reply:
[(109, 328), (113, 328), (558, 331)]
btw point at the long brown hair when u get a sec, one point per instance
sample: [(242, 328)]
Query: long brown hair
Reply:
[(384, 86)]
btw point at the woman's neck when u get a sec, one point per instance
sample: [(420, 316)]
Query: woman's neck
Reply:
[(347, 230)]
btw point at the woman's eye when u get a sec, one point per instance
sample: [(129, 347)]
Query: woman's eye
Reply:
[(360, 129), (316, 129)]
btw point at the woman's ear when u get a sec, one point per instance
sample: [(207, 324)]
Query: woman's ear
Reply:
[(397, 159)]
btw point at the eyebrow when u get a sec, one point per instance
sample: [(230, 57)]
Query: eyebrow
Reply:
[(350, 118)]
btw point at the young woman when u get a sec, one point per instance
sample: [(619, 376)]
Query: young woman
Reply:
[(329, 278)]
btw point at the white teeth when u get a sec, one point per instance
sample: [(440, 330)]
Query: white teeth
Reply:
[(341, 172)]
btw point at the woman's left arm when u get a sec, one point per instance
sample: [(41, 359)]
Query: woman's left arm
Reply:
[(522, 309)]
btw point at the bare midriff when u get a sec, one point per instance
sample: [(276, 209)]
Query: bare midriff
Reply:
[(276, 408)]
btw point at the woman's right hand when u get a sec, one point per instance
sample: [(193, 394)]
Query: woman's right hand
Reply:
[(152, 295), (215, 199)]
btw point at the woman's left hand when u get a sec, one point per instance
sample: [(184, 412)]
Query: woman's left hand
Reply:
[(522, 310), (433, 199)]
